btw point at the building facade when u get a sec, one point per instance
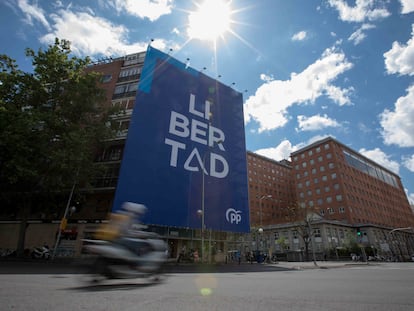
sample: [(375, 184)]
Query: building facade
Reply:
[(344, 196), (327, 191)]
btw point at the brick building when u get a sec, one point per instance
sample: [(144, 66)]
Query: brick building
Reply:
[(340, 193), (346, 186), (271, 189)]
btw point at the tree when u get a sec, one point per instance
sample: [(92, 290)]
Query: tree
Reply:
[(302, 217), (51, 122)]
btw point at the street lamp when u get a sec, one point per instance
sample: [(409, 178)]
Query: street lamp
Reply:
[(200, 212), (260, 230), (266, 196), (203, 212)]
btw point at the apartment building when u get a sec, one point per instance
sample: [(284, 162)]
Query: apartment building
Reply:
[(271, 189), (344, 185), (343, 196)]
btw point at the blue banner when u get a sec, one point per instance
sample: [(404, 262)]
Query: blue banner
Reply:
[(185, 152)]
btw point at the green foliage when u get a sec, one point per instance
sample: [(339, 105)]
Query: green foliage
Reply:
[(51, 121)]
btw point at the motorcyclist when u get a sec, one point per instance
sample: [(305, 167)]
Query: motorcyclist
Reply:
[(125, 223)]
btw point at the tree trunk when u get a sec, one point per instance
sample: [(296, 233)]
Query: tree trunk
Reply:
[(307, 250), (26, 205)]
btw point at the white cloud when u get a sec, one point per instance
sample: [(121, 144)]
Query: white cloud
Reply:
[(266, 78), (301, 35), (32, 11), (410, 197), (359, 35), (378, 156), (91, 35), (285, 148), (400, 59), (316, 122), (280, 152), (363, 10), (272, 99), (407, 6), (398, 125), (151, 9), (409, 163), (175, 31)]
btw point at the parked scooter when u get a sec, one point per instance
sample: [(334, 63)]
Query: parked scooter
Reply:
[(41, 252)]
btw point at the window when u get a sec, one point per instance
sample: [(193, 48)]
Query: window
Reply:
[(339, 198), (327, 189), (304, 164), (331, 165), (320, 159), (342, 210), (315, 180), (310, 152), (132, 71), (125, 88), (324, 178), (314, 171), (106, 78), (318, 149), (322, 168), (329, 155), (326, 146), (328, 199), (333, 175)]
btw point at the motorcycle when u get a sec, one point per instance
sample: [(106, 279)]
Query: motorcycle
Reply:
[(41, 252), (125, 258)]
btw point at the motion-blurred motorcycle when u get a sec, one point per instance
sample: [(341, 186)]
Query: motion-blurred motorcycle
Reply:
[(129, 254)]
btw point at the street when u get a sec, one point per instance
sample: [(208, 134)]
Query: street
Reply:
[(382, 286)]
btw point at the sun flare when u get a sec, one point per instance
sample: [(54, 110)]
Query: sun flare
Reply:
[(210, 21)]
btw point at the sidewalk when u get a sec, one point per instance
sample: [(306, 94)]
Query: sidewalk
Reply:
[(320, 264)]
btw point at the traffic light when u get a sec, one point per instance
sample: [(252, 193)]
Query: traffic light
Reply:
[(358, 232)]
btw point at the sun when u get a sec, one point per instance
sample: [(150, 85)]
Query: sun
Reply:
[(211, 21)]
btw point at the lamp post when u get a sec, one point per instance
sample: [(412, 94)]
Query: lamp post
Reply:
[(260, 230), (64, 220), (203, 211), (200, 212), (266, 196)]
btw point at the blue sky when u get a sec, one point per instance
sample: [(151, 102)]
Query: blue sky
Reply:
[(306, 68)]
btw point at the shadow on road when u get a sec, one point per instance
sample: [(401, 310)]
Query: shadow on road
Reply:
[(78, 267)]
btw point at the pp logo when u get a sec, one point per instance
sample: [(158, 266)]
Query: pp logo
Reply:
[(233, 216)]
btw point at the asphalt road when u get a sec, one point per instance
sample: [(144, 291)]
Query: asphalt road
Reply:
[(374, 287)]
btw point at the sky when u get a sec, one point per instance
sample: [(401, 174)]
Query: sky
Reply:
[(307, 68)]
